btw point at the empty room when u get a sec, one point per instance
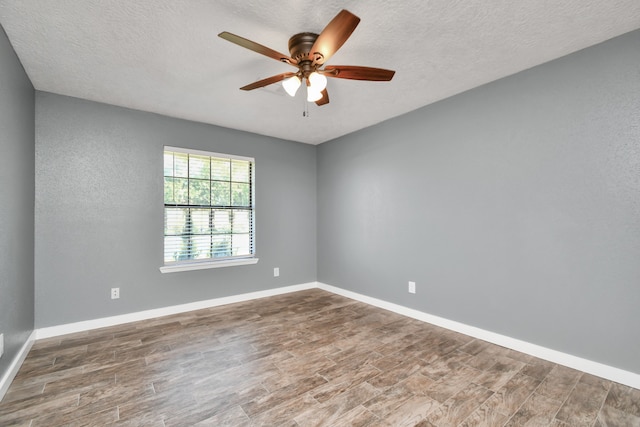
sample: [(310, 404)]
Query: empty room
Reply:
[(223, 213)]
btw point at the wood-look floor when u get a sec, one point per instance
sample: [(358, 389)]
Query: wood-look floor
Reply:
[(302, 359)]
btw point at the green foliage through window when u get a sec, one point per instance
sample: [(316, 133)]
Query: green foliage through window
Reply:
[(208, 206)]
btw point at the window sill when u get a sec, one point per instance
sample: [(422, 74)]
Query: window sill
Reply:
[(205, 265)]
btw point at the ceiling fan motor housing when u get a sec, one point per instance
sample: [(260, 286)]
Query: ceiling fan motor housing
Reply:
[(300, 46)]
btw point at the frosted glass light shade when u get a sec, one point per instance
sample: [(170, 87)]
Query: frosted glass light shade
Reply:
[(291, 85), (312, 95), (317, 81)]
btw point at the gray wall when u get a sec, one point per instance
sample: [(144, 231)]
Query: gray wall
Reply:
[(16, 203), (515, 206), (99, 211)]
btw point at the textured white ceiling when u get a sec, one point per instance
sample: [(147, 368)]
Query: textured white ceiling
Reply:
[(164, 56)]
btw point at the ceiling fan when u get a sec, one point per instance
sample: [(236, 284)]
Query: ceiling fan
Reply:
[(309, 52)]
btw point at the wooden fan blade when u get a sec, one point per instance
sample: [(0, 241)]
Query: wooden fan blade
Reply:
[(267, 81), (256, 47), (358, 73), (333, 36), (325, 98)]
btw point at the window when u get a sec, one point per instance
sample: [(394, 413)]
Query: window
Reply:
[(208, 210)]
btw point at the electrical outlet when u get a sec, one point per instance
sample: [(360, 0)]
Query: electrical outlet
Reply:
[(276, 272), (412, 287), (115, 293), (1, 344)]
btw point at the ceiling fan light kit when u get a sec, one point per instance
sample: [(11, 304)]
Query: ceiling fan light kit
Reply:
[(317, 81), (313, 96), (291, 85), (309, 52)]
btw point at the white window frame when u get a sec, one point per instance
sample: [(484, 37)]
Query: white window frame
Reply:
[(176, 266)]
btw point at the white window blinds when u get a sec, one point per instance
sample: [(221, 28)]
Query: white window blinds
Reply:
[(208, 206)]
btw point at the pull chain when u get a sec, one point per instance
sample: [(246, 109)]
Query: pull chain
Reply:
[(305, 110)]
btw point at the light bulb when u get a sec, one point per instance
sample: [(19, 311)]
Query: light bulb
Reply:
[(317, 81), (312, 95), (291, 85)]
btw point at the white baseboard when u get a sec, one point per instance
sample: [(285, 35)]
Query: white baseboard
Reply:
[(598, 369), (11, 373), (601, 370), (69, 328)]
